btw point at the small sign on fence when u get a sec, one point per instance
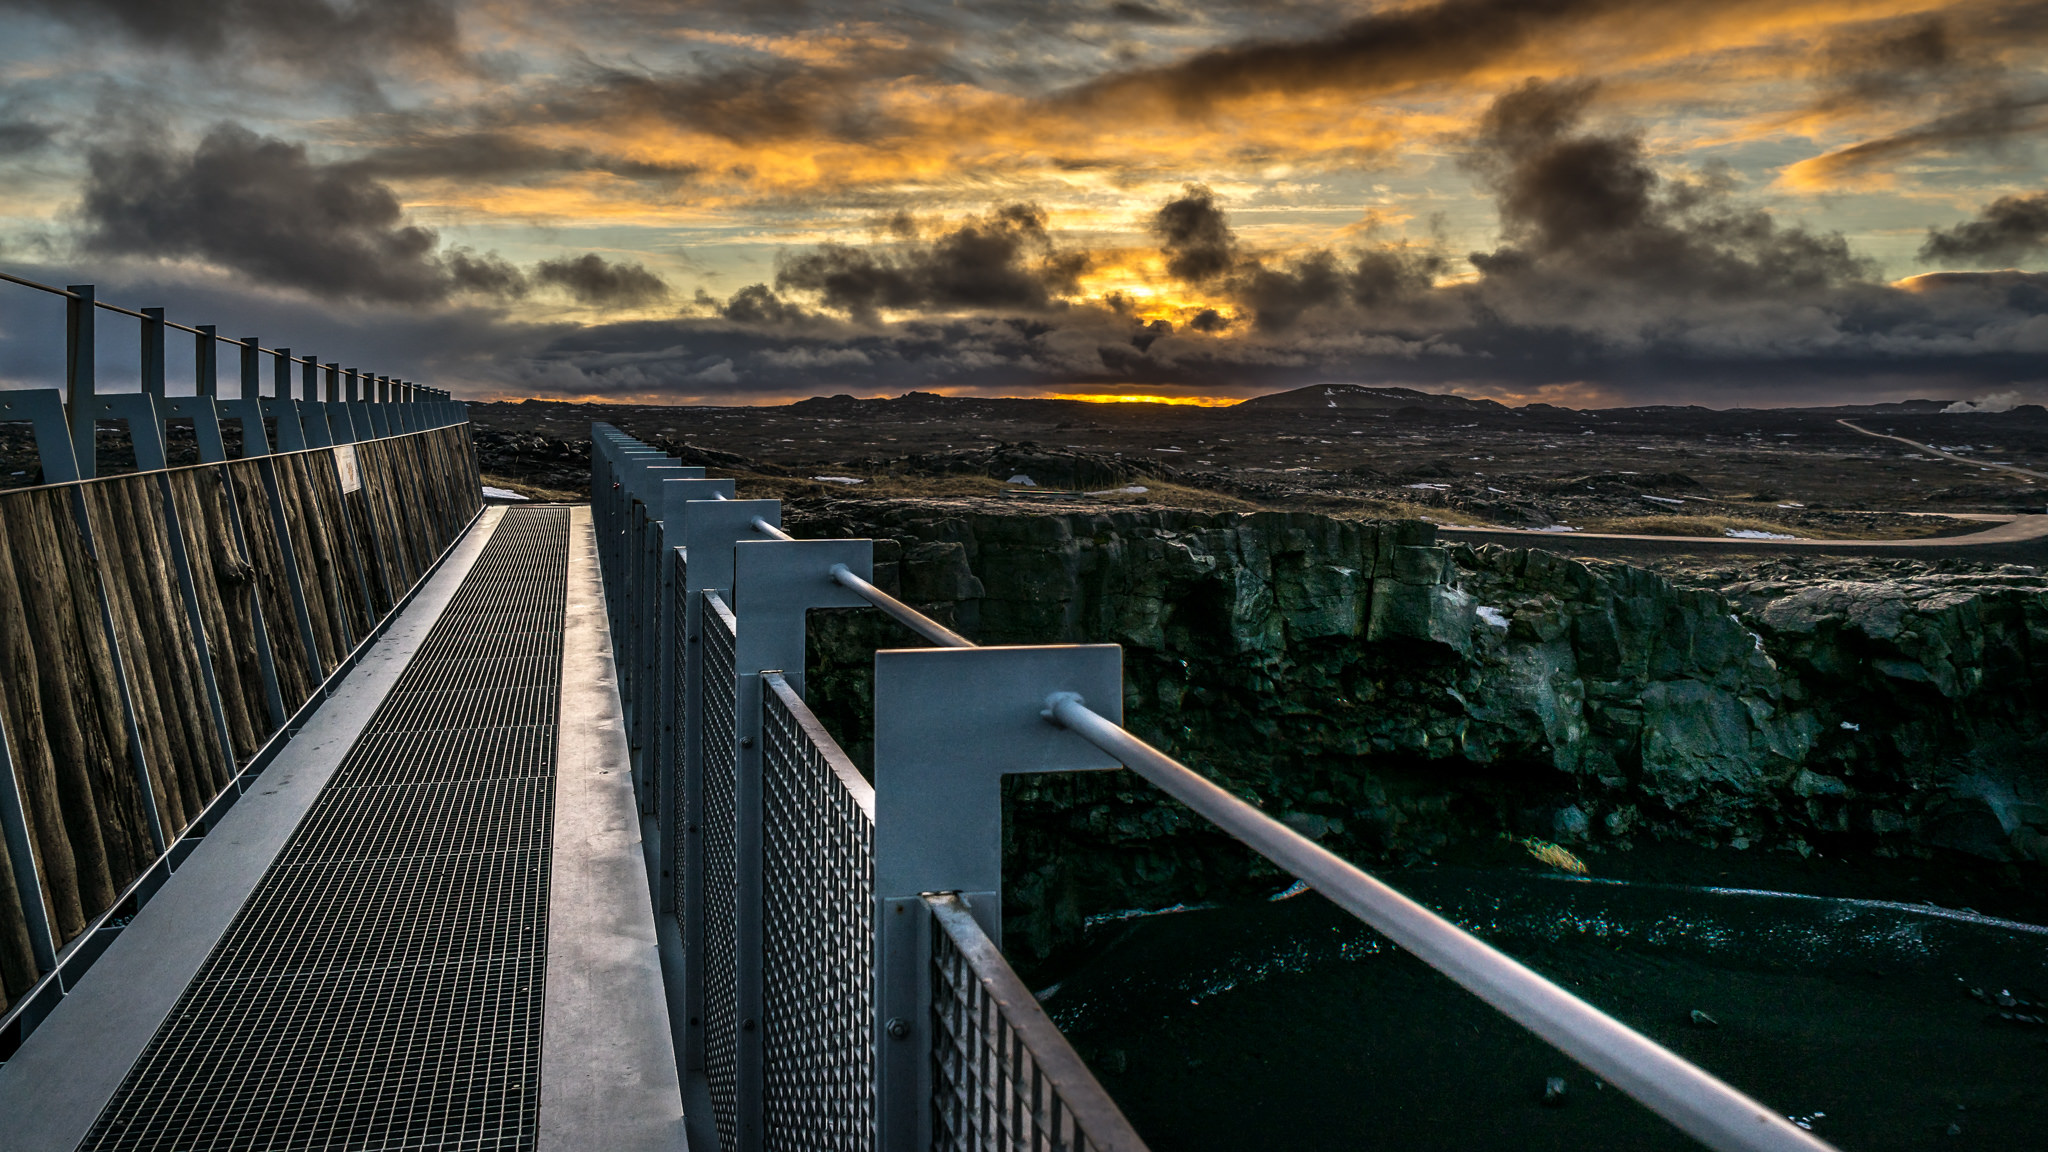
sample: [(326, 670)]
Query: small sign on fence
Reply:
[(345, 463)]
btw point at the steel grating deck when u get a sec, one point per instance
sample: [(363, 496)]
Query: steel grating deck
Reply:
[(382, 988)]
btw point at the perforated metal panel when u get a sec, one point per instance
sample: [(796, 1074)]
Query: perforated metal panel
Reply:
[(382, 987), (817, 938), (721, 877)]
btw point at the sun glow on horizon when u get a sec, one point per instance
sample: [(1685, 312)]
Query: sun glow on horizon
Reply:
[(1142, 398)]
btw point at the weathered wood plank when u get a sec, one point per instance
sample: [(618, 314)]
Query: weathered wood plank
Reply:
[(222, 579), (273, 589)]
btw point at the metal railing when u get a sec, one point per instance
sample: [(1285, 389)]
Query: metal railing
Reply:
[(960, 1055), (219, 600), (354, 405)]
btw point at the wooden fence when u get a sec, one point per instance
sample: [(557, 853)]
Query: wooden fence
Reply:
[(157, 630)]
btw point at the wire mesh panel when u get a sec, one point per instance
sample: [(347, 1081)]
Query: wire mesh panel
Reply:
[(818, 832), (721, 858), (1002, 1075), (678, 813)]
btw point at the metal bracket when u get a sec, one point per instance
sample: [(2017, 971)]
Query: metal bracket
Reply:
[(950, 723), (145, 427), (291, 433), (249, 410), (319, 434), (205, 414), (43, 408)]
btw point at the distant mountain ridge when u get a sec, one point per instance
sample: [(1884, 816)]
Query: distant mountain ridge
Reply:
[(1362, 397)]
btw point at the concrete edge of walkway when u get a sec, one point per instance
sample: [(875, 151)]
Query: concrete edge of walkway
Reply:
[(608, 1066), (56, 1085)]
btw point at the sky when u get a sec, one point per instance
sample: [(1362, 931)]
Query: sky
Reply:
[(1581, 202)]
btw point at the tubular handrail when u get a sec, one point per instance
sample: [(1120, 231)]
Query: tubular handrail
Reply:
[(281, 353), (900, 612), (1695, 1101), (1690, 1098)]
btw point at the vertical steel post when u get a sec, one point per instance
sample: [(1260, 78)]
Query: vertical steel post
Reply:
[(333, 372), (309, 378), (153, 351), (79, 375), (206, 361), (775, 585), (710, 530), (281, 373), (674, 503), (949, 724), (252, 382), (349, 377)]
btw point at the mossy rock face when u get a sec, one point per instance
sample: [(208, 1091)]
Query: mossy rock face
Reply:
[(1394, 694)]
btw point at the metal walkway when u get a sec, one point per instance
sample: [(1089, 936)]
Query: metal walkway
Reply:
[(383, 984), (382, 987)]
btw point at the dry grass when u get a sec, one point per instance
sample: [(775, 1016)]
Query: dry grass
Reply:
[(1720, 526), (885, 487), (536, 493)]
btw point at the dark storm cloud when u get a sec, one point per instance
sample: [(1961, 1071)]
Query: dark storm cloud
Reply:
[(1894, 60), (758, 304), (261, 207), (1385, 50), (751, 101), (1586, 208), (19, 137), (1144, 14), (1005, 260), (264, 209), (1201, 249), (2006, 231), (600, 283), (490, 155), (1198, 244), (309, 35), (1949, 63)]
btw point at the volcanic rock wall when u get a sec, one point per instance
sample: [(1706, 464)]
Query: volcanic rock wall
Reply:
[(1385, 694)]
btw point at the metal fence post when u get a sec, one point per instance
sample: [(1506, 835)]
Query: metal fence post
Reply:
[(949, 724), (206, 361), (775, 583), (252, 377), (676, 668), (710, 530), (79, 375), (153, 351)]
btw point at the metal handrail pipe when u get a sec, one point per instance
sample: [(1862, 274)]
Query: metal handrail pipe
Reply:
[(769, 530), (104, 305), (1696, 1102), (900, 612)]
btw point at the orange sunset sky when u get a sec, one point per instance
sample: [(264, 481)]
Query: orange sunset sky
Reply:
[(1578, 201)]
